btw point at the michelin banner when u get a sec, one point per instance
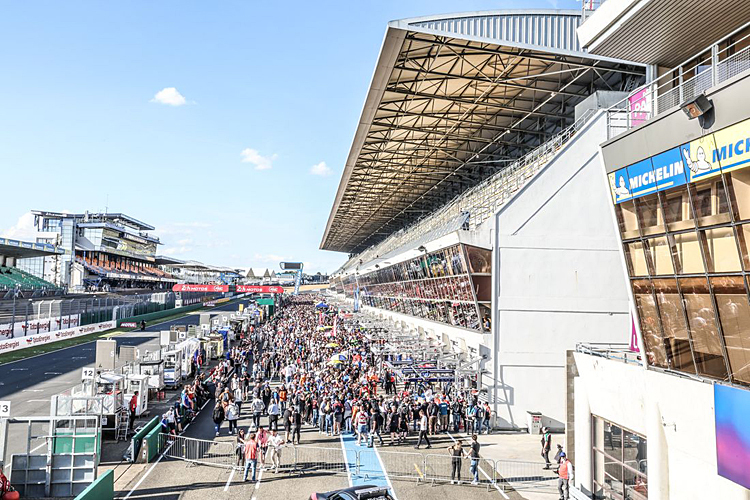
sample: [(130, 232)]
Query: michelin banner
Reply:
[(697, 160), (15, 344)]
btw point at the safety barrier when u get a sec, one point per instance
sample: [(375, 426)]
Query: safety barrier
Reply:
[(101, 489), (199, 451), (137, 439), (369, 464)]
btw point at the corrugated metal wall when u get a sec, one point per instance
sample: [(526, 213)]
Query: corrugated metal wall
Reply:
[(556, 31)]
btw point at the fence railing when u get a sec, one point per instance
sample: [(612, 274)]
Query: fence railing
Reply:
[(690, 79), (619, 352), (368, 464)]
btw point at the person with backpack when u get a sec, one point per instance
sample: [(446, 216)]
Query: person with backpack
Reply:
[(478, 418), (257, 408), (218, 416)]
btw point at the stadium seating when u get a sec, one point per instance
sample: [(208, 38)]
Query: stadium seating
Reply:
[(11, 277)]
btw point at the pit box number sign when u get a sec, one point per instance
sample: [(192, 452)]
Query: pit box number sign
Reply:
[(4, 409)]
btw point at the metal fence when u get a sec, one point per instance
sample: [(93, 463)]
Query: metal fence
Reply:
[(718, 63), (370, 464), (199, 451)]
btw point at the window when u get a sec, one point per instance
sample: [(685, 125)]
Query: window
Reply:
[(702, 320), (688, 257), (734, 314), (674, 326), (721, 250), (660, 254), (620, 463), (636, 259), (627, 220), (650, 216), (649, 321), (710, 202), (738, 186)]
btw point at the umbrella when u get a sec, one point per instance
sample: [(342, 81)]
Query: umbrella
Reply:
[(332, 344), (322, 305), (340, 357), (334, 362)]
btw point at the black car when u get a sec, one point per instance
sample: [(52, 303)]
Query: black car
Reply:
[(366, 491)]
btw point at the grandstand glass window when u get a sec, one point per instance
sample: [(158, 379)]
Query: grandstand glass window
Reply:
[(436, 286), (687, 253)]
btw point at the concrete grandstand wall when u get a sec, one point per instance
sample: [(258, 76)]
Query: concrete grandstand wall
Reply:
[(557, 280)]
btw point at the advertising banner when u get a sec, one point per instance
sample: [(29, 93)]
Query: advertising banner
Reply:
[(200, 288), (259, 289), (639, 105), (23, 342), (22, 328), (731, 408)]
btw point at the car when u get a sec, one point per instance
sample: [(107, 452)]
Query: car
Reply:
[(367, 491)]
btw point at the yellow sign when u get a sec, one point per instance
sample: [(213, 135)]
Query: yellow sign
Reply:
[(700, 158), (733, 146)]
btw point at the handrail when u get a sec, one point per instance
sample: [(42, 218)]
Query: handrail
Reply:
[(665, 92), (618, 352)]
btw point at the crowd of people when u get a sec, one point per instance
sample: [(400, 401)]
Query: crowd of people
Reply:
[(306, 367)]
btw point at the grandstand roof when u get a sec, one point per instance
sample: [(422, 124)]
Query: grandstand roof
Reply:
[(117, 218), (25, 249), (165, 260), (452, 100)]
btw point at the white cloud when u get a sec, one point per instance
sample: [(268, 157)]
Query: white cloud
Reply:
[(177, 250), (321, 169), (23, 230), (170, 96), (261, 162), (269, 258)]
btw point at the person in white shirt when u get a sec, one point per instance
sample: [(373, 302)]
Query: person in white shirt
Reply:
[(275, 443), (423, 430)]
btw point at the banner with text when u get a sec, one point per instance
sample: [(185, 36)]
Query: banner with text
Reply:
[(17, 343)]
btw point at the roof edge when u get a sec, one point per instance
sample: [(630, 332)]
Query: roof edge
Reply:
[(481, 13)]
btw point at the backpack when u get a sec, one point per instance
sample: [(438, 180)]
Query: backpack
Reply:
[(218, 413)]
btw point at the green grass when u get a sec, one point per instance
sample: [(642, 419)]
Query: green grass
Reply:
[(9, 357)]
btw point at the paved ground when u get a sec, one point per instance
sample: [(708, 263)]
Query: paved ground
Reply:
[(175, 479)]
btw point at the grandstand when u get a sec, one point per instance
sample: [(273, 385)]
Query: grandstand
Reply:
[(192, 271), (469, 197), (14, 279), (102, 251)]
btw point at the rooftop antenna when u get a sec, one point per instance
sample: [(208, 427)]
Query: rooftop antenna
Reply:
[(106, 205)]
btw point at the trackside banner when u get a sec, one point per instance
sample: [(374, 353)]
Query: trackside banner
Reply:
[(32, 327), (199, 288), (15, 344), (259, 289)]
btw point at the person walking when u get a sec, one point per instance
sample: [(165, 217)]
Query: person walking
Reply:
[(275, 443), (457, 453), (474, 455), (423, 430), (565, 473), (546, 446), (362, 419), (218, 416), (274, 411), (251, 457), (296, 426), (240, 449), (257, 408), (232, 414)]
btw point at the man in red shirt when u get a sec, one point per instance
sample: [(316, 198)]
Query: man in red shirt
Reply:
[(133, 406), (251, 456)]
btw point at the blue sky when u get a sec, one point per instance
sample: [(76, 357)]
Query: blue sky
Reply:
[(279, 85)]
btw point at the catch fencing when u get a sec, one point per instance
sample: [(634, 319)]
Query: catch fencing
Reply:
[(369, 464)]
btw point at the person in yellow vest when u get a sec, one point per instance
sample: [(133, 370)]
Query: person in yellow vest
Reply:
[(565, 473)]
